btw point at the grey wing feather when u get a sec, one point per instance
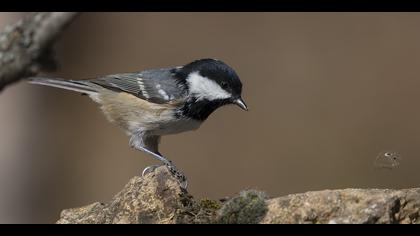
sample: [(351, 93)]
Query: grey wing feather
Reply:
[(157, 86)]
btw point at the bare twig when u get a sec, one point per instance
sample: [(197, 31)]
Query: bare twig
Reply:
[(26, 46)]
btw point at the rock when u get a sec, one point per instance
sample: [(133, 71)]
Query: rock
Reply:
[(348, 206), (158, 199)]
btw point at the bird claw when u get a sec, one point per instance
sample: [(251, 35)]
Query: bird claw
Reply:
[(148, 170), (182, 180)]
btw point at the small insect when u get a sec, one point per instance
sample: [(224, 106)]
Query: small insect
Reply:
[(387, 160)]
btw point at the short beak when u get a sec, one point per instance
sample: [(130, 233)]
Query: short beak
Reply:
[(241, 104)]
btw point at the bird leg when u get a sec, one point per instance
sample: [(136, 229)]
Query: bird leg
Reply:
[(171, 167)]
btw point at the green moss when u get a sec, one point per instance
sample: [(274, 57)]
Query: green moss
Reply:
[(199, 212), (247, 208), (209, 204)]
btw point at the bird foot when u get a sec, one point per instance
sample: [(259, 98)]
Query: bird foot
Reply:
[(182, 180), (149, 169)]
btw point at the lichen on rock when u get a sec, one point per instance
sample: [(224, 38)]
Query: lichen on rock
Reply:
[(247, 208)]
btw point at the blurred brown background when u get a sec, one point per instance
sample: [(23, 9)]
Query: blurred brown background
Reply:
[(327, 92)]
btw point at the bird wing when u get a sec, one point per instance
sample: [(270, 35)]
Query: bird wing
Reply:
[(157, 86)]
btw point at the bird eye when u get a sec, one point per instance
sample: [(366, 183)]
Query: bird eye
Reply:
[(224, 84)]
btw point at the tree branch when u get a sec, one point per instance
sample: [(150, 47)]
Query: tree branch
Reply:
[(26, 46)]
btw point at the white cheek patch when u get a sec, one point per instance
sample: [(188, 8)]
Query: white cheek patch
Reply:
[(204, 88)]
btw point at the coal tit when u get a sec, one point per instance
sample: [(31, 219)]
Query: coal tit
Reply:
[(152, 103)]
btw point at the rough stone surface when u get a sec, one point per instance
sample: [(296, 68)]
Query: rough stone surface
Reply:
[(153, 199), (158, 199), (348, 206)]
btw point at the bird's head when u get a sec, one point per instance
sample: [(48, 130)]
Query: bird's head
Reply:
[(211, 83)]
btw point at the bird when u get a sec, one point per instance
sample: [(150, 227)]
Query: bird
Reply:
[(153, 103)]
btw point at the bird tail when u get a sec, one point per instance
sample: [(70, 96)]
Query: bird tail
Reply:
[(84, 87), (74, 85)]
